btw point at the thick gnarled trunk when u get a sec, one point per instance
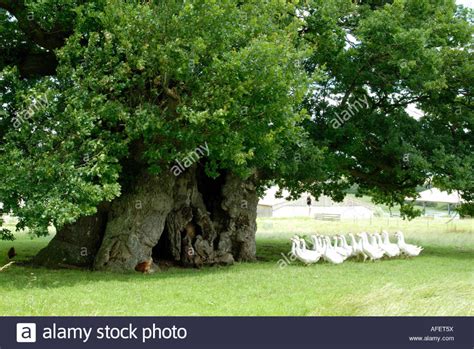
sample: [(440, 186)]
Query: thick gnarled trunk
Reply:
[(76, 244), (190, 220)]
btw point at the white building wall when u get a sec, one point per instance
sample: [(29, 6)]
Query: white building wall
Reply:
[(345, 212)]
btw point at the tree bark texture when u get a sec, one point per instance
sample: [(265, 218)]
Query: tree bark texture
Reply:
[(190, 220)]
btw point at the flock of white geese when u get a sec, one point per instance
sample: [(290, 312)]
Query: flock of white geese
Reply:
[(365, 246)]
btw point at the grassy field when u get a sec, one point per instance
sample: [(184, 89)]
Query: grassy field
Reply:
[(439, 282)]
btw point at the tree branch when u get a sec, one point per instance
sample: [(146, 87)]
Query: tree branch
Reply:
[(47, 39), (38, 64), (30, 62)]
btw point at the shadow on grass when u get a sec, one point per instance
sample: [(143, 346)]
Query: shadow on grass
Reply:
[(22, 277), (269, 252)]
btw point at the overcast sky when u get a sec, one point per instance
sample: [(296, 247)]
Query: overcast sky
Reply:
[(467, 3)]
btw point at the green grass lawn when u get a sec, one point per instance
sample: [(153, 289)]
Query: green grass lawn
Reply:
[(439, 282)]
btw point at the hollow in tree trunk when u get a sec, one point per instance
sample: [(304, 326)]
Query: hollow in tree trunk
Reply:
[(190, 220)]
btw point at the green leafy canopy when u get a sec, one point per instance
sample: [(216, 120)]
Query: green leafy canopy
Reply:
[(92, 91), (162, 78)]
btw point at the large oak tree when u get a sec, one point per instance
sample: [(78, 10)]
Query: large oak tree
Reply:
[(148, 129)]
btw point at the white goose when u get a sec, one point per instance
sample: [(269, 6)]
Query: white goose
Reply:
[(340, 249), (304, 255), (373, 241), (357, 247), (392, 250), (371, 251), (408, 249), (329, 254), (344, 245), (317, 246)]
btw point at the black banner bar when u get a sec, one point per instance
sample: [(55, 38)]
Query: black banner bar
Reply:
[(236, 332)]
